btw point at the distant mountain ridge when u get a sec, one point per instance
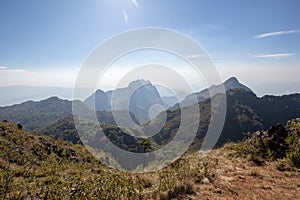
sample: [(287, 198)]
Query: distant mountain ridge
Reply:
[(229, 84), (36, 115), (140, 95), (245, 112), (11, 95), (138, 98)]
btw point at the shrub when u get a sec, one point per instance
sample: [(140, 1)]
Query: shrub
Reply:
[(278, 142)]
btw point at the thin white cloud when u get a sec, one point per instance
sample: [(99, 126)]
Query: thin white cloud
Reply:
[(264, 35), (3, 67), (8, 71), (277, 55), (194, 56), (59, 78), (135, 3), (273, 78), (125, 16)]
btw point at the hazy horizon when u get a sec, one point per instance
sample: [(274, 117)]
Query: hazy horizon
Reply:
[(16, 94), (44, 44)]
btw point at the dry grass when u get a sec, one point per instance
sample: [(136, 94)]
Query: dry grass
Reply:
[(237, 178), (25, 175)]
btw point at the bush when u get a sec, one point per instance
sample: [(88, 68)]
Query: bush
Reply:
[(293, 152), (278, 142)]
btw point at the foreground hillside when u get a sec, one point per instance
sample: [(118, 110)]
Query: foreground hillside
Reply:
[(38, 167)]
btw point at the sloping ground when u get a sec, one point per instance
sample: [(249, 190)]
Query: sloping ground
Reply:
[(35, 167), (237, 178)]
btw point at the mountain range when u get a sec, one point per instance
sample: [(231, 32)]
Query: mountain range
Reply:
[(138, 98), (231, 83), (141, 95), (11, 95), (245, 112)]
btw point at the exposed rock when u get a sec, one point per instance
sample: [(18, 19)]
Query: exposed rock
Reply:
[(54, 148), (71, 152), (274, 140), (20, 127), (278, 131), (229, 84), (137, 98), (60, 151)]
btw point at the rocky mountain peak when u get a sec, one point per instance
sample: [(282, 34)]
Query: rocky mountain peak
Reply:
[(139, 83), (233, 83)]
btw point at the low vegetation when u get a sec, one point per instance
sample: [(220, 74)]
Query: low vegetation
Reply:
[(40, 167), (34, 166), (277, 143)]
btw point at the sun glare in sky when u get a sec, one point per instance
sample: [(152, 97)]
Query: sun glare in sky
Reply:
[(44, 43)]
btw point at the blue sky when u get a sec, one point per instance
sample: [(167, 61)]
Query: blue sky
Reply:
[(44, 43)]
